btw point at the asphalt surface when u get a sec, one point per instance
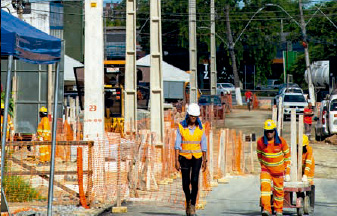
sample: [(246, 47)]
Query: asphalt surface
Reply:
[(241, 197)]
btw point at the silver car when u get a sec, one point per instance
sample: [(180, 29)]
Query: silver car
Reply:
[(225, 88)]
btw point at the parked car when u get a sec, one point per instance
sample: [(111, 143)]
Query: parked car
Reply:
[(327, 118), (225, 88), (215, 100), (293, 100), (271, 84), (287, 90)]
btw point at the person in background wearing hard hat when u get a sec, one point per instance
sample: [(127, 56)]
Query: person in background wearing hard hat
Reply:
[(274, 156), (308, 114), (44, 134), (308, 162), (308, 168), (10, 126), (190, 154)]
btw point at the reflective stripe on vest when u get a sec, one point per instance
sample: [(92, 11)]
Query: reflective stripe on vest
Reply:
[(190, 151)]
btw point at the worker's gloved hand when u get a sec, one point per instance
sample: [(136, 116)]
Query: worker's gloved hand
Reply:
[(287, 178), (304, 178)]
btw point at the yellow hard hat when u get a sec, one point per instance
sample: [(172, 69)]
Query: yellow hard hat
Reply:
[(2, 105), (305, 140), (43, 109), (269, 125)]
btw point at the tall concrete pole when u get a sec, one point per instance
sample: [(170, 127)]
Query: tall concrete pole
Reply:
[(193, 51), (94, 88), (130, 93), (232, 53), (213, 52), (306, 53), (156, 75)]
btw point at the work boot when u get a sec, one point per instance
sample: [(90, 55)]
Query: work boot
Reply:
[(279, 214), (193, 213), (265, 213), (188, 208)]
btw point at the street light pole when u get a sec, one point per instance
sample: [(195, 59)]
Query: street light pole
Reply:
[(306, 53)]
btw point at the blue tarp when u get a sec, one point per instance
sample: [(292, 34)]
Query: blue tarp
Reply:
[(27, 43)]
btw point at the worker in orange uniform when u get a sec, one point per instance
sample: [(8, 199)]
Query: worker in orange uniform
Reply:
[(190, 154), (10, 126), (274, 156), (308, 168), (44, 134), (308, 114)]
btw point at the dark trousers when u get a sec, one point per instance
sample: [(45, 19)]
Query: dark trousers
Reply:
[(190, 176)]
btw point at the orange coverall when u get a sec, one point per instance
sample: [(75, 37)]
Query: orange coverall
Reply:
[(308, 167), (275, 163), (44, 134)]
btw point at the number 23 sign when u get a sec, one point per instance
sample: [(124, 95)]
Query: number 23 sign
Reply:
[(92, 108)]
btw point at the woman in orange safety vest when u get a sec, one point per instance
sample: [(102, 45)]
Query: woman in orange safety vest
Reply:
[(190, 152)]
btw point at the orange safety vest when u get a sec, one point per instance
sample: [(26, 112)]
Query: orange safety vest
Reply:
[(43, 129), (191, 143)]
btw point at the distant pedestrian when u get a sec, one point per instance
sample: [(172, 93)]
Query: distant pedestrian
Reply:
[(190, 154), (308, 114), (249, 98)]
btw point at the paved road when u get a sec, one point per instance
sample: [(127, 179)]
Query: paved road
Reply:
[(241, 197)]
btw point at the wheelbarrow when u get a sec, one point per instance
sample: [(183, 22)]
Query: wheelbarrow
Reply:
[(299, 195)]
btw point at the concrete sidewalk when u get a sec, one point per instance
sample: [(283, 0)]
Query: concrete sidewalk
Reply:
[(240, 197)]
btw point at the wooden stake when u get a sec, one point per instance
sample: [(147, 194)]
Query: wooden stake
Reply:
[(293, 137), (274, 118), (251, 154), (211, 170), (300, 148), (280, 117)]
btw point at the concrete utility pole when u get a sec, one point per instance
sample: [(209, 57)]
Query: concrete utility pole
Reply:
[(130, 93), (94, 88), (213, 52), (193, 51), (156, 75), (232, 53), (306, 53)]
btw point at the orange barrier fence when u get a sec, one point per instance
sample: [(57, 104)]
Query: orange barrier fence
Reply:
[(122, 167)]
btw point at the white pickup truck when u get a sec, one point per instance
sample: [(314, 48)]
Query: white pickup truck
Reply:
[(327, 118)]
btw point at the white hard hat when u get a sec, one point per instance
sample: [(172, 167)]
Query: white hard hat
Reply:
[(193, 109)]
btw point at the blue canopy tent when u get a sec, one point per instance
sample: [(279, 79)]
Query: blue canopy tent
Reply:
[(24, 42)]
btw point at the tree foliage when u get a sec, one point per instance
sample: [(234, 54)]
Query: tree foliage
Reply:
[(259, 42)]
